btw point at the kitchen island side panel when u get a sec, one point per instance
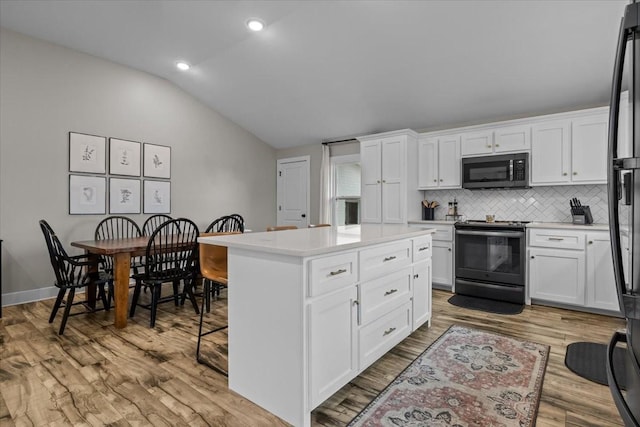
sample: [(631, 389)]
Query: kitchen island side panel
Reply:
[(267, 360)]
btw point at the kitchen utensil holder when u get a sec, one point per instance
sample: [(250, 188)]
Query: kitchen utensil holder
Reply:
[(427, 213), (583, 216)]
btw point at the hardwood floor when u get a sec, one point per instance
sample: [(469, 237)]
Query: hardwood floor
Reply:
[(97, 375)]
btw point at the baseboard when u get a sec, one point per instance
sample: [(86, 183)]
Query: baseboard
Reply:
[(22, 297)]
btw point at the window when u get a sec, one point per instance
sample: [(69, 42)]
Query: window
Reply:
[(345, 189)]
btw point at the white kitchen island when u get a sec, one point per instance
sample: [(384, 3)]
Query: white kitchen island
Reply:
[(310, 309)]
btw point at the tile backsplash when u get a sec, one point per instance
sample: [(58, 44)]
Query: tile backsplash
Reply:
[(548, 204)]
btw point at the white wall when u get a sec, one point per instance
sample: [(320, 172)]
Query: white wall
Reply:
[(47, 90)]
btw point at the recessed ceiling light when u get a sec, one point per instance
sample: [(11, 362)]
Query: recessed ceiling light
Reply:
[(182, 65), (255, 24)]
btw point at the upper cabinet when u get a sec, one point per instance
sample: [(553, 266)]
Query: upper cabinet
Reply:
[(384, 163), (439, 162), (499, 139), (570, 151)]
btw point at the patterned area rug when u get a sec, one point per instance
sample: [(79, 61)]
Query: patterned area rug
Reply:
[(466, 377)]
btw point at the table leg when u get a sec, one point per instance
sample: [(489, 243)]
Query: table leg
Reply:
[(122, 269), (90, 292)]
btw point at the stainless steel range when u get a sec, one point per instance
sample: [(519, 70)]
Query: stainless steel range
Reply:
[(490, 260)]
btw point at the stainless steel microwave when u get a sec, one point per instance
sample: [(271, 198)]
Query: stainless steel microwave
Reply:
[(501, 171)]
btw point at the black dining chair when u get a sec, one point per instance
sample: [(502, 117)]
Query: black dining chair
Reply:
[(154, 222), (170, 257), (72, 273), (117, 227), (226, 224)]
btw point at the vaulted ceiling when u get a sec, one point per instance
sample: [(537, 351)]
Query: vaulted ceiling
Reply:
[(326, 69)]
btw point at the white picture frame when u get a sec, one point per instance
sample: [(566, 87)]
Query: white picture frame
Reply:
[(157, 197), (87, 195), (124, 157), (157, 161), (87, 153), (124, 196)]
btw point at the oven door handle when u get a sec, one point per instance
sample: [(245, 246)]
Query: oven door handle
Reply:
[(490, 233)]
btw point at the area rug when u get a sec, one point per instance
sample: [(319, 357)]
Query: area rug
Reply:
[(466, 377)]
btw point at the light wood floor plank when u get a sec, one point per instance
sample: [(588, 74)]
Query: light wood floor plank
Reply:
[(96, 374)]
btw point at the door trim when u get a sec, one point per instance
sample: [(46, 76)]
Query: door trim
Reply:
[(279, 162)]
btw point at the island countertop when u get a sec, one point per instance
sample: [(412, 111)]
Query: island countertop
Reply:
[(306, 242)]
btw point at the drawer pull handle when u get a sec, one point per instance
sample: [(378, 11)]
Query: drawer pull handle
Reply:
[(335, 273), (388, 331), (424, 248), (392, 291), (389, 258), (557, 239)]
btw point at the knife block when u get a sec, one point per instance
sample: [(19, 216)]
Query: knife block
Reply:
[(583, 217), (427, 213)]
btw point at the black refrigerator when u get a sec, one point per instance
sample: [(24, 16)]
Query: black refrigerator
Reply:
[(624, 213)]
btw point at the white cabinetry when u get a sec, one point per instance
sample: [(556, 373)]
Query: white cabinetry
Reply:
[(572, 267), (333, 320), (601, 285), (439, 162), (442, 256), (496, 140), (384, 166), (570, 151)]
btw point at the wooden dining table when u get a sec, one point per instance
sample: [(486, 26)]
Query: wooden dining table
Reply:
[(122, 250)]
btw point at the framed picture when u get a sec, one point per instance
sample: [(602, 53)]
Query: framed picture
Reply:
[(157, 161), (124, 196), (87, 195), (87, 153), (157, 197), (124, 157)]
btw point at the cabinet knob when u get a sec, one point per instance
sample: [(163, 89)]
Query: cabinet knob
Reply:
[(441, 180), (532, 257), (497, 145), (488, 145), (449, 249), (378, 181), (564, 174), (575, 173), (356, 302), (415, 276), (384, 181), (435, 180), (591, 242)]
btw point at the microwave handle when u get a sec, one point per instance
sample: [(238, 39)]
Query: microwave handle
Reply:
[(511, 170)]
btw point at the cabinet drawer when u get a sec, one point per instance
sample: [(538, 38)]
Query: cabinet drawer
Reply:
[(562, 239), (380, 336), (332, 272), (381, 260), (379, 296), (422, 248), (443, 233)]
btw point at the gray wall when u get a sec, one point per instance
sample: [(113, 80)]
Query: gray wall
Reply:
[(315, 152), (47, 90)]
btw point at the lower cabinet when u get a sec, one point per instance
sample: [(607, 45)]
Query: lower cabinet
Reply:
[(333, 320), (443, 264), (354, 325), (557, 275), (572, 266)]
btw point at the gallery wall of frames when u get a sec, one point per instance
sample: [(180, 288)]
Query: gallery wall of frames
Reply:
[(118, 176)]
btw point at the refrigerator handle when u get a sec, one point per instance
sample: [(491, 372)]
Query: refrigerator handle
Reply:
[(613, 182)]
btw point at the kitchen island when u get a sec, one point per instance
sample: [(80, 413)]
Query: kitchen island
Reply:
[(310, 309)]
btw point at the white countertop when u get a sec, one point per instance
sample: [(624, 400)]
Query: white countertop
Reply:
[(305, 242), (568, 226)]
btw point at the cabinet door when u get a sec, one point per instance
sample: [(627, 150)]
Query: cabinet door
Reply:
[(512, 138), (557, 275), (443, 264), (428, 163), (449, 161), (477, 143), (421, 293), (394, 167), (550, 153), (589, 149), (601, 285), (333, 339), (371, 170)]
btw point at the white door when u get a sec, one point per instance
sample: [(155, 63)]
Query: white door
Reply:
[(293, 192), (371, 169), (428, 163), (449, 161), (442, 264), (601, 285), (550, 153), (477, 143), (421, 293), (557, 275), (512, 138), (393, 181), (589, 149)]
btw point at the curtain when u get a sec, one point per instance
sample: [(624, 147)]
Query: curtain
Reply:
[(325, 186)]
